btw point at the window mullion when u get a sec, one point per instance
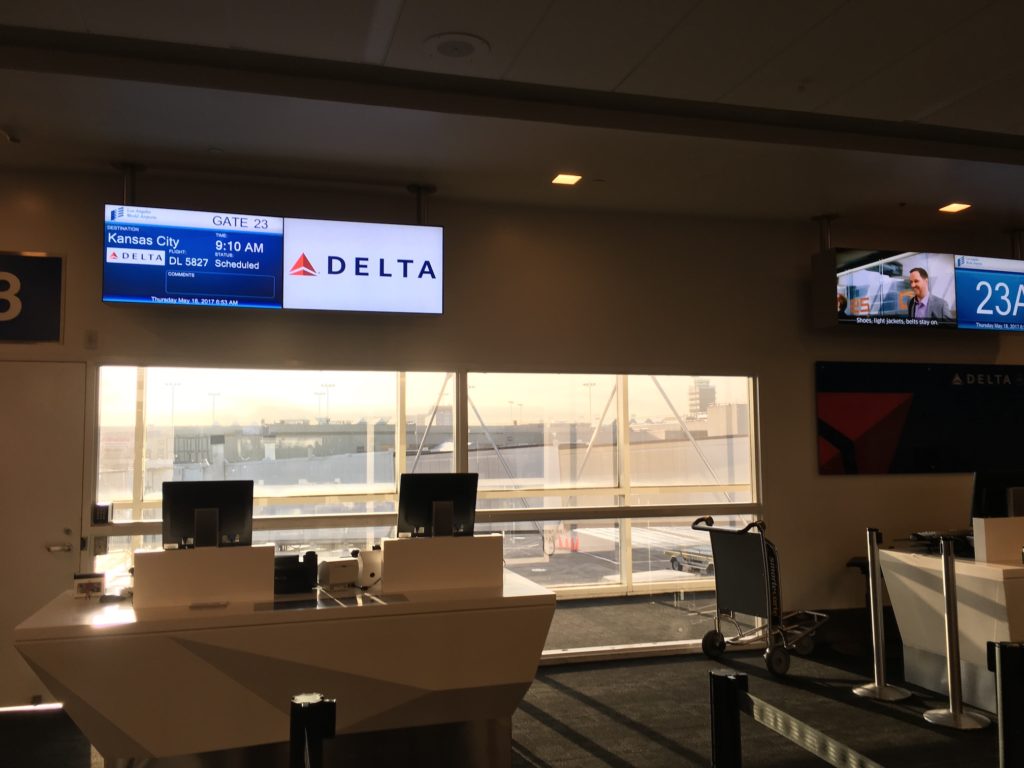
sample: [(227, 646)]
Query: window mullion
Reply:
[(461, 428), (401, 430), (139, 459), (625, 525)]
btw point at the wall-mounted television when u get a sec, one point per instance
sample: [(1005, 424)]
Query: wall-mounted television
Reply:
[(919, 289), (207, 258), (895, 288)]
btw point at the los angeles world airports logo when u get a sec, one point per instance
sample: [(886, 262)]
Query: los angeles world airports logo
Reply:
[(302, 267)]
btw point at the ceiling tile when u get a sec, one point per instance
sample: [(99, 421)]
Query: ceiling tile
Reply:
[(505, 26), (187, 21), (994, 107), (44, 14), (594, 44), (843, 50), (966, 57), (354, 30), (719, 45)]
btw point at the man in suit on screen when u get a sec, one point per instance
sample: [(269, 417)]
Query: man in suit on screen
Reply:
[(924, 305)]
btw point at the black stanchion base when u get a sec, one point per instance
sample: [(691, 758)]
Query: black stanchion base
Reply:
[(476, 744)]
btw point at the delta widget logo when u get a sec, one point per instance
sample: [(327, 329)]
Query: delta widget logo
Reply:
[(302, 267)]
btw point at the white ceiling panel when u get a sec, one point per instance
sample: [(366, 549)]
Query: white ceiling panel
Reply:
[(854, 43), (965, 58), (595, 44), (720, 44), (186, 21), (997, 107), (45, 14), (77, 122), (505, 26), (354, 30)]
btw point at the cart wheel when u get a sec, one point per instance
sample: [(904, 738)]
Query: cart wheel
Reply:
[(777, 660), (804, 646), (713, 644)]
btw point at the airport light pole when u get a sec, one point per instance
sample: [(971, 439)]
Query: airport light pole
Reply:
[(174, 387), (590, 400), (327, 402)]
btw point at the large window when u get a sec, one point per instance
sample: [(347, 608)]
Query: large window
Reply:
[(577, 440), (592, 478)]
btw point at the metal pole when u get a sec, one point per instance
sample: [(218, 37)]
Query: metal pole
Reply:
[(726, 689), (879, 689), (825, 231), (312, 720), (1007, 661), (954, 716), (421, 191)]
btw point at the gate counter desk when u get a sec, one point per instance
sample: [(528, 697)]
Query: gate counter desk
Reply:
[(158, 682)]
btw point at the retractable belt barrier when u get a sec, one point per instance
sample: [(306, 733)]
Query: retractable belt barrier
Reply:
[(312, 721), (1007, 661), (879, 689), (729, 697)]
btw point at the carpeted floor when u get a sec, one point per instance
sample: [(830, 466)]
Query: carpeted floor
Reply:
[(629, 620), (655, 713), (650, 713)]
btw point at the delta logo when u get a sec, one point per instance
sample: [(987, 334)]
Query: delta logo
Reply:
[(365, 266), (302, 267)]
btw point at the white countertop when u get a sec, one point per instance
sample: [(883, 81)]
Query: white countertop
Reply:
[(66, 616), (1000, 571)]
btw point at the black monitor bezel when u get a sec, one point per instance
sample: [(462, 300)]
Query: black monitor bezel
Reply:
[(418, 491), (233, 499), (989, 497)]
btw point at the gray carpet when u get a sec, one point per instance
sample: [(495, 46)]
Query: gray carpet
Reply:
[(649, 713), (655, 713), (628, 620)]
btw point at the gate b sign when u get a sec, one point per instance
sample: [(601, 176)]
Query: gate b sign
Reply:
[(30, 297)]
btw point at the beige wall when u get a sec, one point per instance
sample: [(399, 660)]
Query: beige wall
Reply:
[(543, 290)]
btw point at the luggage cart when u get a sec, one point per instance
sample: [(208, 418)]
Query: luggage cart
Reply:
[(747, 582)]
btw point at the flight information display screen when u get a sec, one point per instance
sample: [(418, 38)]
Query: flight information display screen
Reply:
[(205, 258), (164, 256), (991, 293)]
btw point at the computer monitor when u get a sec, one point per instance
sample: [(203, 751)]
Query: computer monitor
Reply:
[(998, 494), (437, 504), (210, 513)]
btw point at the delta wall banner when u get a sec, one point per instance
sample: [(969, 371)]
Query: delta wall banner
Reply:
[(889, 418)]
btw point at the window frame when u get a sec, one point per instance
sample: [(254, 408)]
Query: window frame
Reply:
[(95, 535)]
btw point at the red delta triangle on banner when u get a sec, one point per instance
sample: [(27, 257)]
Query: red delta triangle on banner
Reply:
[(302, 267), (872, 421), (855, 413)]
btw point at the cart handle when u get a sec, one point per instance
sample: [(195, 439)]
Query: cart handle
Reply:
[(707, 523)]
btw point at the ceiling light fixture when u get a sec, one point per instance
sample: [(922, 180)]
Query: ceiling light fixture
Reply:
[(567, 179), (955, 207), (456, 45)]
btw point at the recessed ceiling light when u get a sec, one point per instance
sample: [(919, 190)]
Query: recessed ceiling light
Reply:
[(456, 45), (955, 207), (568, 179)]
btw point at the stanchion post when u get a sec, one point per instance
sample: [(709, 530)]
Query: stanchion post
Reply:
[(312, 720), (726, 689), (954, 716), (879, 689), (1007, 661)]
